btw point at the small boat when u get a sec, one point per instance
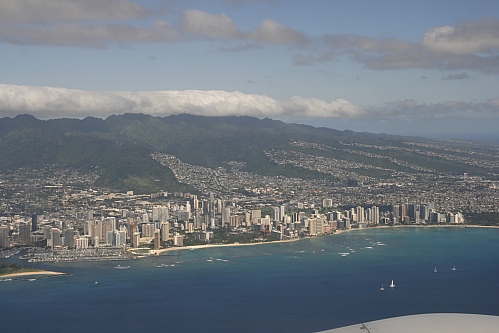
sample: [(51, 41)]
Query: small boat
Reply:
[(382, 288), (122, 267), (96, 282), (454, 268), (392, 285), (435, 270)]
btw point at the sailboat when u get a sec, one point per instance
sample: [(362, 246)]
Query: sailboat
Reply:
[(454, 268), (435, 270), (382, 287), (392, 285)]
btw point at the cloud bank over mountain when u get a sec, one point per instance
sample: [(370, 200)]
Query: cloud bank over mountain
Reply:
[(50, 102), (61, 102)]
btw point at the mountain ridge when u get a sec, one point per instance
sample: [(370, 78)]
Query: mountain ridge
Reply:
[(122, 145)]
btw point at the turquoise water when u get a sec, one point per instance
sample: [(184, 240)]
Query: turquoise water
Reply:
[(302, 286)]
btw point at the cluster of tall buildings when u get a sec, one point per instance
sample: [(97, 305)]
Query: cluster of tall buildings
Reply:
[(168, 222)]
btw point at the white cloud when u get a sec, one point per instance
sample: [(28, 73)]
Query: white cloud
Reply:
[(36, 11), (466, 38), (98, 24), (59, 102), (469, 45), (93, 35), (272, 32), (318, 108), (201, 23), (49, 102)]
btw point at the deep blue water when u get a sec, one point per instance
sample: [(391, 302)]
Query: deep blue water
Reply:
[(303, 286)]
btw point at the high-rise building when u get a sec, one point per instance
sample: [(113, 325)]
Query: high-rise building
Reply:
[(424, 212), (412, 211), (24, 234), (34, 222), (195, 202), (4, 236), (247, 218), (225, 215), (111, 221), (234, 221), (55, 237), (122, 235), (197, 219), (69, 238), (148, 230), (97, 230), (159, 213), (116, 238), (132, 228), (374, 215), (360, 214), (88, 228), (282, 212), (434, 217), (178, 240), (276, 214), (316, 226), (82, 243), (396, 212), (403, 212), (337, 216), (255, 215), (165, 231), (107, 225), (219, 205), (157, 239), (136, 239)]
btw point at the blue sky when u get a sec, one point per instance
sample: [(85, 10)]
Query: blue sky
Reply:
[(404, 67)]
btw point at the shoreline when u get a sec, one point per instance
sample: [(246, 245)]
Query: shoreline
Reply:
[(205, 246), (38, 272), (338, 232)]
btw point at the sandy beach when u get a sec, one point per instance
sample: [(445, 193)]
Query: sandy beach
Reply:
[(194, 247), (21, 274)]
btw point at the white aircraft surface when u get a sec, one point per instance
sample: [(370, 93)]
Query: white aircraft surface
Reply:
[(427, 323)]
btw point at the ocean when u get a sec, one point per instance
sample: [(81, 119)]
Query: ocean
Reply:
[(305, 286)]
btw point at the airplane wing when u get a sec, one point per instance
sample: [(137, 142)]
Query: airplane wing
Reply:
[(427, 323)]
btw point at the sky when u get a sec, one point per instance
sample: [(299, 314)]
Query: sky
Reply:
[(428, 68)]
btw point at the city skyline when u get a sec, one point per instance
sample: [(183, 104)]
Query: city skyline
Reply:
[(416, 68)]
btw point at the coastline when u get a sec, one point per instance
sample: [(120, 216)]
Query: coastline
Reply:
[(38, 272), (204, 246)]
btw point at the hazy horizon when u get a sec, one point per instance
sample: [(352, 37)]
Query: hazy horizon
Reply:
[(342, 125)]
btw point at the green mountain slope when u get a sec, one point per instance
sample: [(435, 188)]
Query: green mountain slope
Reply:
[(121, 146)]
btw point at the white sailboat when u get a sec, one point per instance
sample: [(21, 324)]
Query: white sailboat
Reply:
[(454, 268), (392, 285), (382, 288)]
